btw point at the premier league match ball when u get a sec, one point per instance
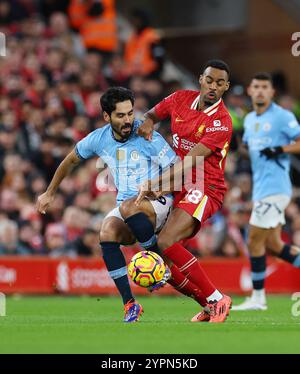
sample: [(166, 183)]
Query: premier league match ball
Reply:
[(146, 268)]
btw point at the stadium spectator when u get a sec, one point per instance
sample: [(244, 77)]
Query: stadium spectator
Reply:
[(87, 244), (9, 244), (55, 241), (144, 53), (96, 22)]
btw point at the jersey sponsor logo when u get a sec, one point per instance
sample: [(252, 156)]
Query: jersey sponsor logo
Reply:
[(128, 172), (259, 143), (179, 120), (217, 123), (187, 145), (134, 155), (175, 140), (213, 129), (267, 127), (163, 152)]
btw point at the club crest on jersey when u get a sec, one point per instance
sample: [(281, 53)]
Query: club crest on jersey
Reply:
[(120, 154), (199, 133), (134, 155), (267, 127), (217, 123)]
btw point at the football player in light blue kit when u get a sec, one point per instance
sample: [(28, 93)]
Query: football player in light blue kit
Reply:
[(131, 160), (270, 134)]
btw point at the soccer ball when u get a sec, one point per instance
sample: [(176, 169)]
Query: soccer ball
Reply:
[(146, 268)]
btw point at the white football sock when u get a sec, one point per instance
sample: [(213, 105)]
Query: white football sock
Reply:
[(214, 296), (259, 296)]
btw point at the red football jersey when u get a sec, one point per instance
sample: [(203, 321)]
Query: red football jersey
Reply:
[(212, 127)]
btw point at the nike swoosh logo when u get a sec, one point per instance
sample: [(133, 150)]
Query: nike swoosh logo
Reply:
[(179, 120)]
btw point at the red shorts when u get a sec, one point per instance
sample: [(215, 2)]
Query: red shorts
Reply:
[(196, 204)]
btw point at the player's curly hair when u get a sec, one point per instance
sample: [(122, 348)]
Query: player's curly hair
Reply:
[(113, 96), (217, 64)]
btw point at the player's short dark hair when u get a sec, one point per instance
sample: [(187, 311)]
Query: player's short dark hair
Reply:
[(217, 64), (263, 76), (115, 95)]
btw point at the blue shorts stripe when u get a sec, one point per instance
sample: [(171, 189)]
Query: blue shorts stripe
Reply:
[(258, 276), (149, 242), (118, 273), (296, 262)]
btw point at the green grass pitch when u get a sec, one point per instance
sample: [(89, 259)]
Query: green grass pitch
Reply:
[(94, 325)]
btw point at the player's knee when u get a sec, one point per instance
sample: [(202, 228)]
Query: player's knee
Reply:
[(275, 244), (128, 208), (109, 232)]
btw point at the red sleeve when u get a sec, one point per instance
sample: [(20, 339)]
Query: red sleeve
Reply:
[(164, 108), (217, 135)]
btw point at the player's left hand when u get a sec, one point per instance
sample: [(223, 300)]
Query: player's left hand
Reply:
[(271, 152), (146, 129)]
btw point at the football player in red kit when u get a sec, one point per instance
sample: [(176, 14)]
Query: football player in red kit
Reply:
[(201, 127)]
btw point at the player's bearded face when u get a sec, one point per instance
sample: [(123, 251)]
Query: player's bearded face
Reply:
[(261, 92), (213, 83), (121, 120)]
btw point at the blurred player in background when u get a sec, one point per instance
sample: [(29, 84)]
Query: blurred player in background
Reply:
[(201, 126), (269, 135), (131, 160)]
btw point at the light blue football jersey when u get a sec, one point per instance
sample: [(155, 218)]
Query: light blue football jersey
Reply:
[(130, 162), (275, 127)]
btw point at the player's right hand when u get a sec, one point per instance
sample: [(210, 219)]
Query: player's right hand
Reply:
[(43, 202), (146, 129)]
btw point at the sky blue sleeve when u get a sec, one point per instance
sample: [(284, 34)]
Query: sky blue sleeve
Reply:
[(245, 135), (290, 126), (86, 148), (161, 150)]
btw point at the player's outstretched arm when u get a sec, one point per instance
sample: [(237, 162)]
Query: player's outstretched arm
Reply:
[(293, 148), (146, 129), (274, 152), (175, 175), (65, 167)]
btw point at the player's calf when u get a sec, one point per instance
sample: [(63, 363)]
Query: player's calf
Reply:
[(290, 254)]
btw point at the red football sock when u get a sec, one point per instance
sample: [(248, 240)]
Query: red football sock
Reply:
[(190, 267), (185, 286)]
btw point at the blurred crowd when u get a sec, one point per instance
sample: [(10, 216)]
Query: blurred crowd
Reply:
[(51, 80)]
